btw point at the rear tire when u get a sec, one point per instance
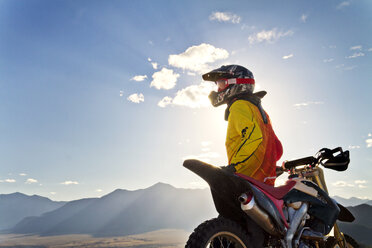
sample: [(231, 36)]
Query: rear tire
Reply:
[(219, 233), (350, 242)]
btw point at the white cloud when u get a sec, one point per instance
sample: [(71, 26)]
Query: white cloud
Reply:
[(136, 98), (9, 180), (70, 183), (121, 93), (154, 65), (332, 46), (139, 78), (270, 36), (305, 104), (356, 47), (196, 58), (194, 96), (370, 135), (349, 68), (22, 174), (205, 149), (164, 79), (343, 4), (369, 49), (360, 181), (165, 101), (304, 17), (342, 184), (224, 17), (52, 193), (355, 55), (354, 147), (369, 142), (287, 56), (30, 181), (327, 60)]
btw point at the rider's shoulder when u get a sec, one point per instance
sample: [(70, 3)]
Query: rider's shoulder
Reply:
[(241, 107), (241, 104)]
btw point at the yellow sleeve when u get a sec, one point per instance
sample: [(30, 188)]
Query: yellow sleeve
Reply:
[(243, 134)]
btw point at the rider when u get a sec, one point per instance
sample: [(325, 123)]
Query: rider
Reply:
[(251, 144)]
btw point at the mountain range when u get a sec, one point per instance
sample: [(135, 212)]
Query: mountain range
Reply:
[(361, 228), (14, 207), (351, 202), (124, 212)]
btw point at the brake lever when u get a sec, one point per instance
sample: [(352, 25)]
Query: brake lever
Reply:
[(325, 153)]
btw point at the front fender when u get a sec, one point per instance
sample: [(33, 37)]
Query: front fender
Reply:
[(345, 215)]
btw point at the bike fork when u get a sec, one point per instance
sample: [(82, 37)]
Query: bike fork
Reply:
[(339, 236)]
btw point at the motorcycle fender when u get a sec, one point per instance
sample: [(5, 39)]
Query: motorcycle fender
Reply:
[(345, 215)]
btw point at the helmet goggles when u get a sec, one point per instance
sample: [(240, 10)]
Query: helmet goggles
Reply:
[(223, 83)]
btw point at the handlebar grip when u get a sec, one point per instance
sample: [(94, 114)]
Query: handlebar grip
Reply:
[(337, 149), (302, 161)]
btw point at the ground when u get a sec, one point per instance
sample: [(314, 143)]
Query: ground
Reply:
[(162, 238)]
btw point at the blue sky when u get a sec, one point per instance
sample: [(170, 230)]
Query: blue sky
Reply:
[(99, 95)]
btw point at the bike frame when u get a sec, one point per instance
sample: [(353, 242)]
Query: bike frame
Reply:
[(316, 175)]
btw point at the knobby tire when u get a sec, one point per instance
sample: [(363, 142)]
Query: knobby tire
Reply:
[(215, 228)]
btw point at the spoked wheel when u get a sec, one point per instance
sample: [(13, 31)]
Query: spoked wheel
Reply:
[(219, 233), (350, 242), (225, 239)]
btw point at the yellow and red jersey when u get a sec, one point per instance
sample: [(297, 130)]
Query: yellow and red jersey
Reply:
[(251, 145)]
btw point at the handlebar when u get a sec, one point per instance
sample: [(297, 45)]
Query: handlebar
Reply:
[(322, 155), (297, 162)]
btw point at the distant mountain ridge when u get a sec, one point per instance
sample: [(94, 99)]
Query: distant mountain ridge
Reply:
[(351, 202), (124, 212), (16, 206)]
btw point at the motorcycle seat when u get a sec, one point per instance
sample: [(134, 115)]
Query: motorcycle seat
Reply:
[(277, 192)]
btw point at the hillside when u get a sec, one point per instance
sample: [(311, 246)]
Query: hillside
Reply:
[(124, 212), (361, 228), (16, 206)]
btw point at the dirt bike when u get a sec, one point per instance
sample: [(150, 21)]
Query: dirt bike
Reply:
[(299, 214)]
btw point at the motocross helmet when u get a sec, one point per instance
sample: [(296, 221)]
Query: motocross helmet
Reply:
[(237, 80)]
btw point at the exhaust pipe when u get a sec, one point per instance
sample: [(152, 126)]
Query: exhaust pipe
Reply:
[(258, 215)]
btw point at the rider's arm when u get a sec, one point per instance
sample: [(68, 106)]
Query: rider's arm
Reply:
[(243, 137)]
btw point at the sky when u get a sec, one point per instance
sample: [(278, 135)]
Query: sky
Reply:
[(100, 95)]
